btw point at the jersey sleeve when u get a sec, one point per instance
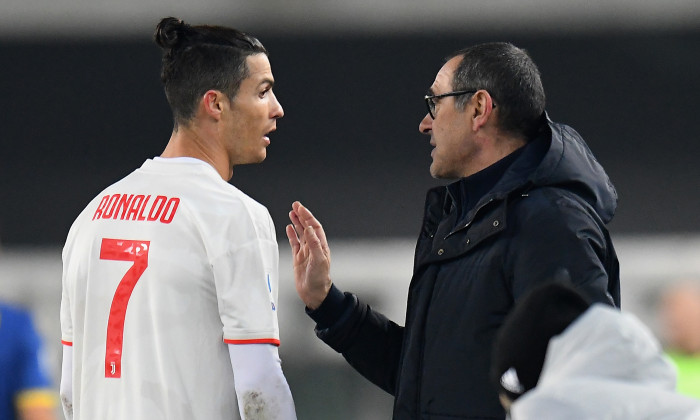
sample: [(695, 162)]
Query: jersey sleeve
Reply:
[(65, 313), (66, 321), (246, 279)]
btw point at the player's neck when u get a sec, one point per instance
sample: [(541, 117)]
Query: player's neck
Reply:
[(191, 142)]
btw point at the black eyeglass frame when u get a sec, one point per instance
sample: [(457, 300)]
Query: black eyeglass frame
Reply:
[(430, 103)]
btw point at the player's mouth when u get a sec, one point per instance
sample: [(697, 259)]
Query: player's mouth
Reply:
[(266, 137)]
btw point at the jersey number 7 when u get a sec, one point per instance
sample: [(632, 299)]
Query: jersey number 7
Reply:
[(121, 250)]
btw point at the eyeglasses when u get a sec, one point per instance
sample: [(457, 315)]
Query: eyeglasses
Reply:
[(430, 99)]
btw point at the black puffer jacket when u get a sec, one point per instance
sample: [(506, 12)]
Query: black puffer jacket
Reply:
[(544, 219)]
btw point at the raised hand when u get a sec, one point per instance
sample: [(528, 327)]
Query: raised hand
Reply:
[(311, 256)]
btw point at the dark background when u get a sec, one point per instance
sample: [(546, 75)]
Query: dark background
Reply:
[(78, 115)]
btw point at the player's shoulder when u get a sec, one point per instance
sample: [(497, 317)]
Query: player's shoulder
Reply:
[(241, 198), (86, 213), (240, 209)]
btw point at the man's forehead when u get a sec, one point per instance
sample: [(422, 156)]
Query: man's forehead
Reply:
[(443, 79), (259, 67)]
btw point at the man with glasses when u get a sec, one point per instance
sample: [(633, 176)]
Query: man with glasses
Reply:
[(529, 204)]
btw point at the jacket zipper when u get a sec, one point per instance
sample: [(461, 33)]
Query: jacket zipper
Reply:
[(469, 222)]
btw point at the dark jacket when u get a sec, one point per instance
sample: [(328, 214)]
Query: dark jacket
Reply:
[(543, 219)]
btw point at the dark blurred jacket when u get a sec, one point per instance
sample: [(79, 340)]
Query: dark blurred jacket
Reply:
[(543, 219)]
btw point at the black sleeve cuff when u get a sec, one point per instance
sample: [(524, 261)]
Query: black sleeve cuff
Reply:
[(332, 308)]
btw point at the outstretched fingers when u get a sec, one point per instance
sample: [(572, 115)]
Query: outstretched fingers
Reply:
[(306, 219), (311, 256)]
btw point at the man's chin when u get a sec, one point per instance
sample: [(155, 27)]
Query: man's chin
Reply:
[(259, 157), (435, 172), (253, 159), (439, 174)]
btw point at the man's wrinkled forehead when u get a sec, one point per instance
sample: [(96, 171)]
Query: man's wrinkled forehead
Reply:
[(445, 76)]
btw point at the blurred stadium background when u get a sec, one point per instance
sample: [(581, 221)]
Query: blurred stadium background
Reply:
[(82, 106)]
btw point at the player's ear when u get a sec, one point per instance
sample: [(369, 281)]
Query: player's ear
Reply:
[(213, 102)]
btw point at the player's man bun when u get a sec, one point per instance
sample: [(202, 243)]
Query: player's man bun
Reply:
[(197, 58), (170, 32)]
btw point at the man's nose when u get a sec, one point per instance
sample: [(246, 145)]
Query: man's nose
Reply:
[(426, 124), (278, 111)]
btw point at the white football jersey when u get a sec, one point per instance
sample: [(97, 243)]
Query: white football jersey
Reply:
[(160, 271)]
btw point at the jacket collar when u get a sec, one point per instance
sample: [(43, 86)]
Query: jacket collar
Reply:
[(468, 191)]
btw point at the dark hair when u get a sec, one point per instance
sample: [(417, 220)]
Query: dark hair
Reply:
[(199, 58), (511, 78), (520, 346)]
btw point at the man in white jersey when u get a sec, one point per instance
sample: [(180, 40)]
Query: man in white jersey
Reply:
[(170, 275)]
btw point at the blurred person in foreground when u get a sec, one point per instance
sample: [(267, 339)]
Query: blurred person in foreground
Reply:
[(530, 202), (559, 357), (680, 331), (26, 392), (170, 275)]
